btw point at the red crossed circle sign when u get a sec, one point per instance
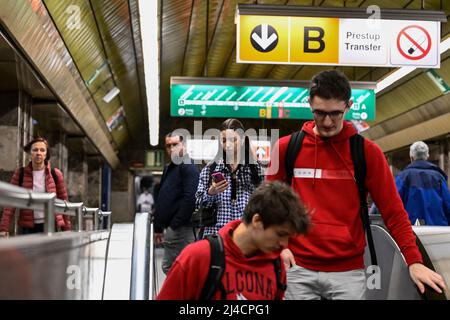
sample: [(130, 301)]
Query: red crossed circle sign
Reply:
[(415, 45)]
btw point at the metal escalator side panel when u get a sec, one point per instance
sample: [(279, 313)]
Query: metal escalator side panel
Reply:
[(434, 245), (140, 271), (395, 282)]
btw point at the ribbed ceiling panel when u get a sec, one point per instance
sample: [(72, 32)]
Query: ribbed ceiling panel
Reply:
[(428, 111), (411, 94), (30, 25), (87, 50), (196, 48), (224, 40), (114, 22)]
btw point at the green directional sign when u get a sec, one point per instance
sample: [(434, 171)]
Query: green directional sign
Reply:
[(266, 102)]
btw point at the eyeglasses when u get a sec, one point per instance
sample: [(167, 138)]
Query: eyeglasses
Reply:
[(321, 115)]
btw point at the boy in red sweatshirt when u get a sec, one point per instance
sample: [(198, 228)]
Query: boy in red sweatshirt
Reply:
[(273, 214), (328, 262)]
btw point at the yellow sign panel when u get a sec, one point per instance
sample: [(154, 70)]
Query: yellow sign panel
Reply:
[(263, 38), (314, 40)]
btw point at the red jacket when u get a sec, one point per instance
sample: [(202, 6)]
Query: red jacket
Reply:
[(324, 180), (244, 278), (26, 217)]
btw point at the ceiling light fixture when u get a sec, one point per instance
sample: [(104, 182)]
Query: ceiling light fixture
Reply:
[(111, 94), (148, 12)]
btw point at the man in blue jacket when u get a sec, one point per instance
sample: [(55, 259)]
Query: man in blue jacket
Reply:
[(176, 201), (423, 189)]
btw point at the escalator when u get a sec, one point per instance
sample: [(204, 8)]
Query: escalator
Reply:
[(114, 263)]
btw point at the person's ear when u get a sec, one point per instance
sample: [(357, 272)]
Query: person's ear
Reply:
[(257, 221)]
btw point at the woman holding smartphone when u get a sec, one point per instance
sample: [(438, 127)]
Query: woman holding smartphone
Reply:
[(231, 178)]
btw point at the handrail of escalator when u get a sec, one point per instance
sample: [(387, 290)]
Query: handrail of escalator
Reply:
[(18, 197), (71, 209), (153, 276), (97, 214), (141, 283)]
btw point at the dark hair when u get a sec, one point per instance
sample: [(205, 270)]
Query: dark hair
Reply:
[(231, 123), (330, 84), (27, 147), (277, 204), (174, 134), (236, 125)]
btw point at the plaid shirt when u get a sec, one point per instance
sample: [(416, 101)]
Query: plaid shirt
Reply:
[(227, 210)]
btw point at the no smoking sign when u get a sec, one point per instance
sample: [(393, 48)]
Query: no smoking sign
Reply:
[(415, 44)]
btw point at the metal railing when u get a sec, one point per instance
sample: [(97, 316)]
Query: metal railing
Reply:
[(98, 216), (18, 197), (22, 198), (103, 215), (153, 274), (142, 258), (72, 209)]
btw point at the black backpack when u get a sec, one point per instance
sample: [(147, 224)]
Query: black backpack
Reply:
[(217, 269), (359, 162), (21, 173)]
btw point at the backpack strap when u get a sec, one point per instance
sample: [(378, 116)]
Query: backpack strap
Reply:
[(216, 269), (281, 287), (21, 174), (55, 176), (359, 163), (294, 146)]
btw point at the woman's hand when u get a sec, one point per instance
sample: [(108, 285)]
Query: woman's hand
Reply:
[(217, 188)]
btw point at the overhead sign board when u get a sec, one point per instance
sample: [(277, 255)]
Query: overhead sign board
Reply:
[(116, 119), (277, 39), (257, 100)]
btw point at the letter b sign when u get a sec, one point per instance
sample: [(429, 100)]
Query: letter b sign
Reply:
[(314, 40)]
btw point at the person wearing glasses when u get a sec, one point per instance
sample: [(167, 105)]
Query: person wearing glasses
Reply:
[(39, 177), (175, 201), (328, 262)]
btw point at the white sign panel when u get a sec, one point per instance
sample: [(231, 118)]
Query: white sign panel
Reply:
[(362, 45), (202, 149), (415, 43)]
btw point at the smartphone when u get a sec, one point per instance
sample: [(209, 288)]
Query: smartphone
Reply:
[(217, 177)]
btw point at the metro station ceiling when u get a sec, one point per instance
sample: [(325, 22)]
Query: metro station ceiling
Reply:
[(198, 39), (103, 46)]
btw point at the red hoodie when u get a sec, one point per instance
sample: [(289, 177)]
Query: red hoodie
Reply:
[(323, 177), (244, 278)]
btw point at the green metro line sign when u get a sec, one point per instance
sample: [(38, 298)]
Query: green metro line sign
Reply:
[(263, 99)]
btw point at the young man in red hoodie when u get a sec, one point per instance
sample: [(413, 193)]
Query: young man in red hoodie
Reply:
[(328, 262), (273, 214)]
